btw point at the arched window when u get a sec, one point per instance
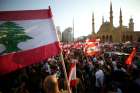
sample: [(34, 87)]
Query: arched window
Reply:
[(103, 38), (131, 38), (139, 39), (110, 38), (123, 39), (127, 38), (106, 38)]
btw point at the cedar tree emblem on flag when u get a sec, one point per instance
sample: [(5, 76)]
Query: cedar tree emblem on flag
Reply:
[(10, 35)]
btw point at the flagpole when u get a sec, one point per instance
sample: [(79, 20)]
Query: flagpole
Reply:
[(76, 79), (65, 73)]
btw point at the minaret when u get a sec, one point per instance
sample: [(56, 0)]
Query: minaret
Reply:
[(73, 28), (102, 19), (111, 15), (120, 21), (93, 25), (131, 24)]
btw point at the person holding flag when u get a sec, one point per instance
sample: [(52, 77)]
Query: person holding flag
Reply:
[(27, 37)]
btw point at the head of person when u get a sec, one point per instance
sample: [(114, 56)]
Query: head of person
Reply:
[(50, 84)]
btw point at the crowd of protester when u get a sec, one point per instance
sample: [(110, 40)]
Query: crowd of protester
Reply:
[(105, 73)]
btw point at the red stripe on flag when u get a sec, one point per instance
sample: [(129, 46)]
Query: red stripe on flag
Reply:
[(131, 56), (14, 61), (73, 83), (25, 15), (72, 75)]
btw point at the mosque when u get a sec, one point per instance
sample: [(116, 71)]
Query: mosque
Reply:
[(109, 33)]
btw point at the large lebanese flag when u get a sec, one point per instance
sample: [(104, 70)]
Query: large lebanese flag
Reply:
[(39, 40), (91, 47)]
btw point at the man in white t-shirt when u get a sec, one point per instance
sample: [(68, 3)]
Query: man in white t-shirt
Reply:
[(99, 76), (47, 68)]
